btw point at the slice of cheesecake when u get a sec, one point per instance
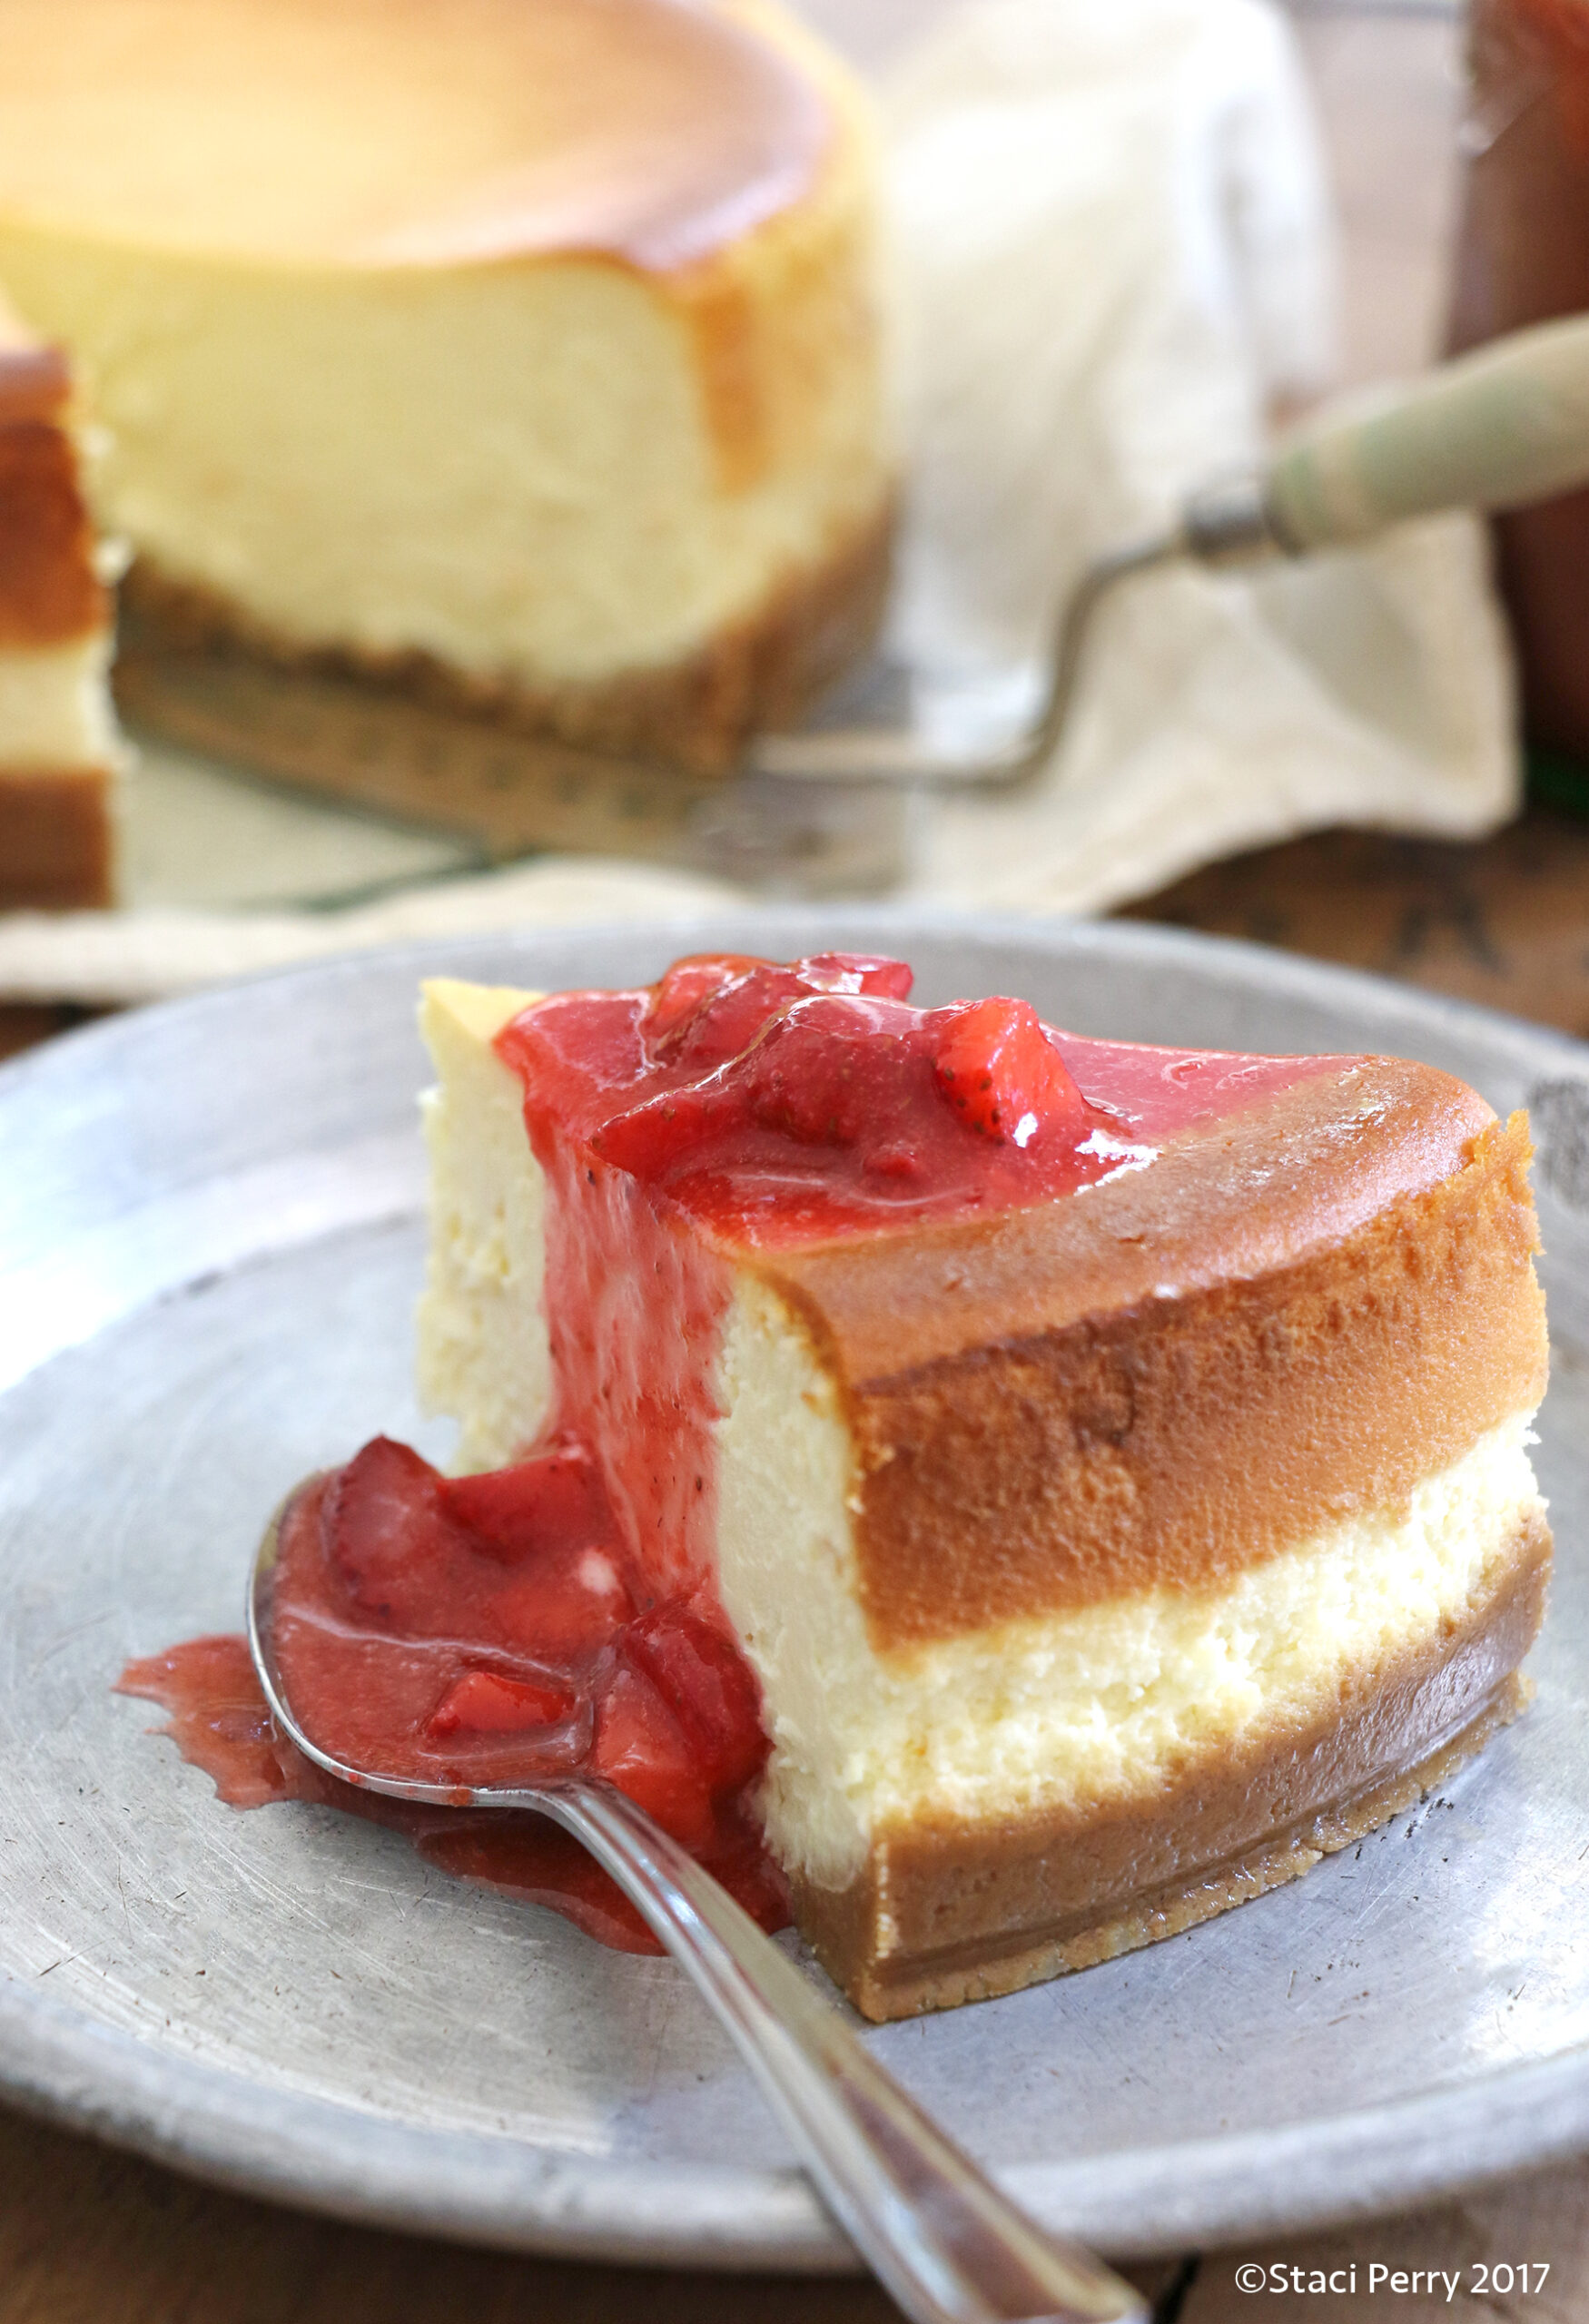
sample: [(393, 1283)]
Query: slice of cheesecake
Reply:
[(520, 354), (60, 757), (1112, 1461)]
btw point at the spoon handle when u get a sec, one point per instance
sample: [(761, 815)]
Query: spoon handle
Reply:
[(943, 2240)]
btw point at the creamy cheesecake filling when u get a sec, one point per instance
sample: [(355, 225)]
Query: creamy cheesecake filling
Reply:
[(483, 1352), (511, 468), (556, 362), (1073, 1709), (55, 708), (655, 130)]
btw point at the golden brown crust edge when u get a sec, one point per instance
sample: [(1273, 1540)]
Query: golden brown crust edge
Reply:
[(1174, 1441), (50, 589), (35, 381), (760, 670), (944, 1914), (57, 839)]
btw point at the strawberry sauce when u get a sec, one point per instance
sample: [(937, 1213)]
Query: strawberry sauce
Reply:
[(219, 1722), (561, 1615), (779, 1105), (474, 1630)]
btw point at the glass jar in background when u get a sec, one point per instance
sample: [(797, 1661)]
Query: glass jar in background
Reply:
[(1523, 257)]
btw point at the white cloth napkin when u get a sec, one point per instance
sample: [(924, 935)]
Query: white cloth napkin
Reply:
[(149, 955), (1114, 257), (1117, 256)]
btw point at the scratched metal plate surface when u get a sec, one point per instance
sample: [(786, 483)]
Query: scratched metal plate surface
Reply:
[(209, 1251)]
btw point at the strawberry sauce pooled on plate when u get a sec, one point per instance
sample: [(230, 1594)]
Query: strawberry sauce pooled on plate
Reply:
[(560, 1615), (482, 1629)]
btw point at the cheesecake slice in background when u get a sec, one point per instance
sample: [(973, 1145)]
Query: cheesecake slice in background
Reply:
[(60, 757), (522, 357), (1112, 1462)]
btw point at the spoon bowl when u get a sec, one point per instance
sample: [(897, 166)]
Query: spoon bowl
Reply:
[(946, 2243)]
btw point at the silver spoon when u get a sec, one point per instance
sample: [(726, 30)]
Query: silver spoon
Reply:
[(945, 2242)]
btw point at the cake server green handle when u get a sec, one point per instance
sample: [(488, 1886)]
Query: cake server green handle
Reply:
[(1498, 428)]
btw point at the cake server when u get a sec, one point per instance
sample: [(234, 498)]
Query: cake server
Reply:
[(942, 2238), (1494, 430), (827, 811)]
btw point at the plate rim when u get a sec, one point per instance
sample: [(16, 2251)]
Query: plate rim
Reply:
[(497, 2191), (216, 2123)]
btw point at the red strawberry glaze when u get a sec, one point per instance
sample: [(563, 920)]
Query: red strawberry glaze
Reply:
[(562, 1614), (219, 1722), (401, 1650), (776, 1106)]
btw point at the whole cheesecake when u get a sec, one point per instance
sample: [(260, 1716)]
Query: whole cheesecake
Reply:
[(523, 354), (60, 757), (1111, 1462)]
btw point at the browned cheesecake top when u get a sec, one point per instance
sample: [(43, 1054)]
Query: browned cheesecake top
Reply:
[(405, 132), (1294, 1316), (1235, 1199)]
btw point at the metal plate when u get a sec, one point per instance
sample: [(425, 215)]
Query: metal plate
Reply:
[(209, 1251)]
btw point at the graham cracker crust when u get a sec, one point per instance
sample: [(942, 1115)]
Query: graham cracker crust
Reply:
[(57, 839), (50, 590), (761, 671), (941, 1915)]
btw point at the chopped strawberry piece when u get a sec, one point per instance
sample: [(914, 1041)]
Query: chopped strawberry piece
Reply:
[(1003, 1076), (689, 982), (484, 1702), (642, 1749), (665, 1130), (827, 1069), (547, 1503), (738, 998), (564, 1609), (869, 972), (806, 1081), (389, 1534), (709, 1687), (835, 1070), (726, 1024), (899, 1162)]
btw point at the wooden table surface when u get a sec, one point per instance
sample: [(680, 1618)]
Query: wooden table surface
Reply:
[(1504, 923), (88, 2236)]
